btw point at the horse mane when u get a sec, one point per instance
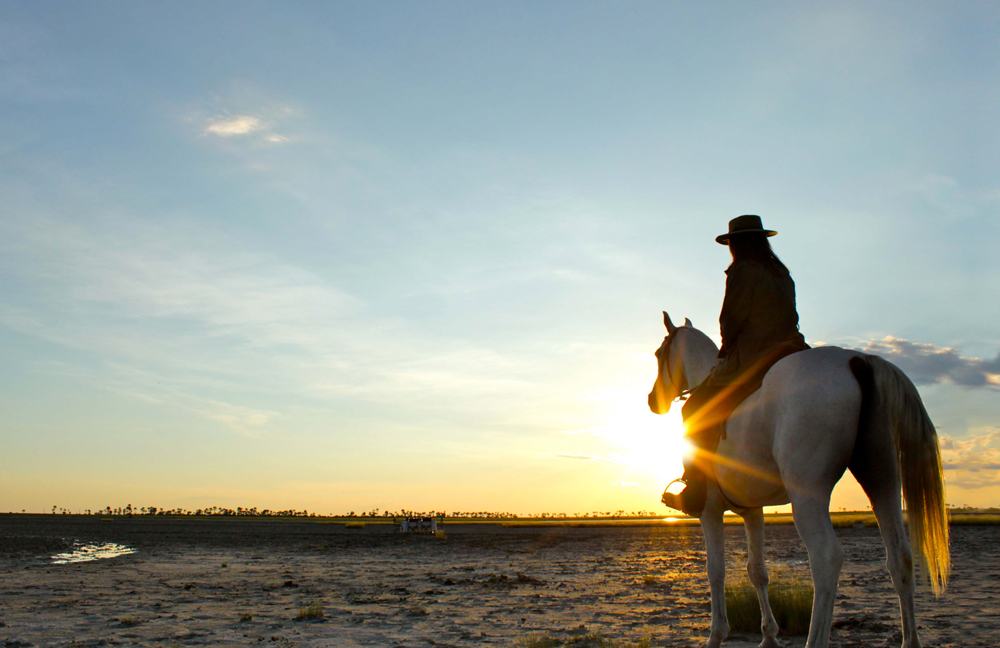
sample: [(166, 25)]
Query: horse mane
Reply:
[(701, 337)]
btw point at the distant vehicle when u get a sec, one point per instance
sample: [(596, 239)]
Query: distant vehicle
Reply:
[(419, 525)]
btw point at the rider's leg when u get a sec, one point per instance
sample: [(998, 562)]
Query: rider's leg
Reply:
[(702, 432), (691, 500)]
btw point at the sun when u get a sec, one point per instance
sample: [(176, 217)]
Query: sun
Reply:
[(646, 442)]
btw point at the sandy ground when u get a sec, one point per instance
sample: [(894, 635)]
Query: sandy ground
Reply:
[(189, 582)]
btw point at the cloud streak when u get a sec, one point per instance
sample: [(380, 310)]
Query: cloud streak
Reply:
[(232, 126), (178, 314), (577, 455), (612, 458), (927, 364), (246, 126)]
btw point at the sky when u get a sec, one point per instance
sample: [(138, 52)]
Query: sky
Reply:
[(344, 256)]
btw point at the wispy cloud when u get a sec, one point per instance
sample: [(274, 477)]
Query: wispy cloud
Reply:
[(258, 126), (182, 315), (927, 364), (576, 455), (606, 458), (239, 419), (230, 126), (138, 272)]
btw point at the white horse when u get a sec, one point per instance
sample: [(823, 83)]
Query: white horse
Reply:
[(817, 413)]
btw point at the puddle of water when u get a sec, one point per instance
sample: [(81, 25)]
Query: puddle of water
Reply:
[(88, 552)]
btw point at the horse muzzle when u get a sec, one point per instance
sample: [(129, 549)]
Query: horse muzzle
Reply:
[(658, 404)]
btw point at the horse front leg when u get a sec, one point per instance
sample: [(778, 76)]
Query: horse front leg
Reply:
[(753, 521), (715, 549)]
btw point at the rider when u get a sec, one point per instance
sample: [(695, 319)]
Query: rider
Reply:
[(759, 327)]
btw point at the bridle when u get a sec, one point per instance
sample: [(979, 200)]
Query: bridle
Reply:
[(683, 389)]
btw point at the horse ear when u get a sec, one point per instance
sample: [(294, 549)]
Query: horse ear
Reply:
[(688, 323), (670, 325)]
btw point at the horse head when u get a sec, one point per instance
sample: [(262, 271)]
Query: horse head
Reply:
[(671, 380)]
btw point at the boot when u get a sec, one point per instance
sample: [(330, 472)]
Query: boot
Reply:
[(691, 500)]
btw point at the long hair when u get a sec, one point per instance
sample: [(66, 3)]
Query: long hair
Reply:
[(758, 248)]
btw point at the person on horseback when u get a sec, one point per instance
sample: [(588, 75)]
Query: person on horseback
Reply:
[(760, 326)]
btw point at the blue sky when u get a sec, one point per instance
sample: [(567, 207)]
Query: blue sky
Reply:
[(340, 256)]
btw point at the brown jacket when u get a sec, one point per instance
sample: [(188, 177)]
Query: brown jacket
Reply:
[(758, 315)]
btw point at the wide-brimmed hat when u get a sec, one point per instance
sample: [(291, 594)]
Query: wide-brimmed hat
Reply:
[(747, 224)]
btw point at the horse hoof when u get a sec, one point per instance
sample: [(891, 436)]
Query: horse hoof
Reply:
[(770, 642)]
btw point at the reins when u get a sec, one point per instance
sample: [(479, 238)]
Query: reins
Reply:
[(682, 394)]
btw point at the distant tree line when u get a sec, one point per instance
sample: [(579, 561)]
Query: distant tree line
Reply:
[(129, 510), (222, 511)]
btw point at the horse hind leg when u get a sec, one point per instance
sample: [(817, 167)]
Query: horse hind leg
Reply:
[(899, 561), (753, 522), (812, 520), (882, 487)]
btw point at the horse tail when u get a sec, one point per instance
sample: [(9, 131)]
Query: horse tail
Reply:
[(892, 403)]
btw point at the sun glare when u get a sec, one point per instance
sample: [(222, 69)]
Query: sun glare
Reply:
[(647, 442)]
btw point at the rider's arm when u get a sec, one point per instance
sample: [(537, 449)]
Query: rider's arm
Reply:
[(740, 282)]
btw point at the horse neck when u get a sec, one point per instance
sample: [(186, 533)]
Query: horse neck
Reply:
[(700, 356)]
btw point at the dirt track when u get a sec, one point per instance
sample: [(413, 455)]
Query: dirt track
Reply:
[(190, 580)]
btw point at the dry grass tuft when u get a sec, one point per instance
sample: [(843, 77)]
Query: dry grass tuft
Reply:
[(313, 612), (791, 603)]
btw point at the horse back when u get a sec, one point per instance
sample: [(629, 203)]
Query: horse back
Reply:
[(798, 430)]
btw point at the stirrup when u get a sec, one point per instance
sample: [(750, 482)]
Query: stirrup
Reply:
[(673, 500), (682, 501), (679, 479)]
